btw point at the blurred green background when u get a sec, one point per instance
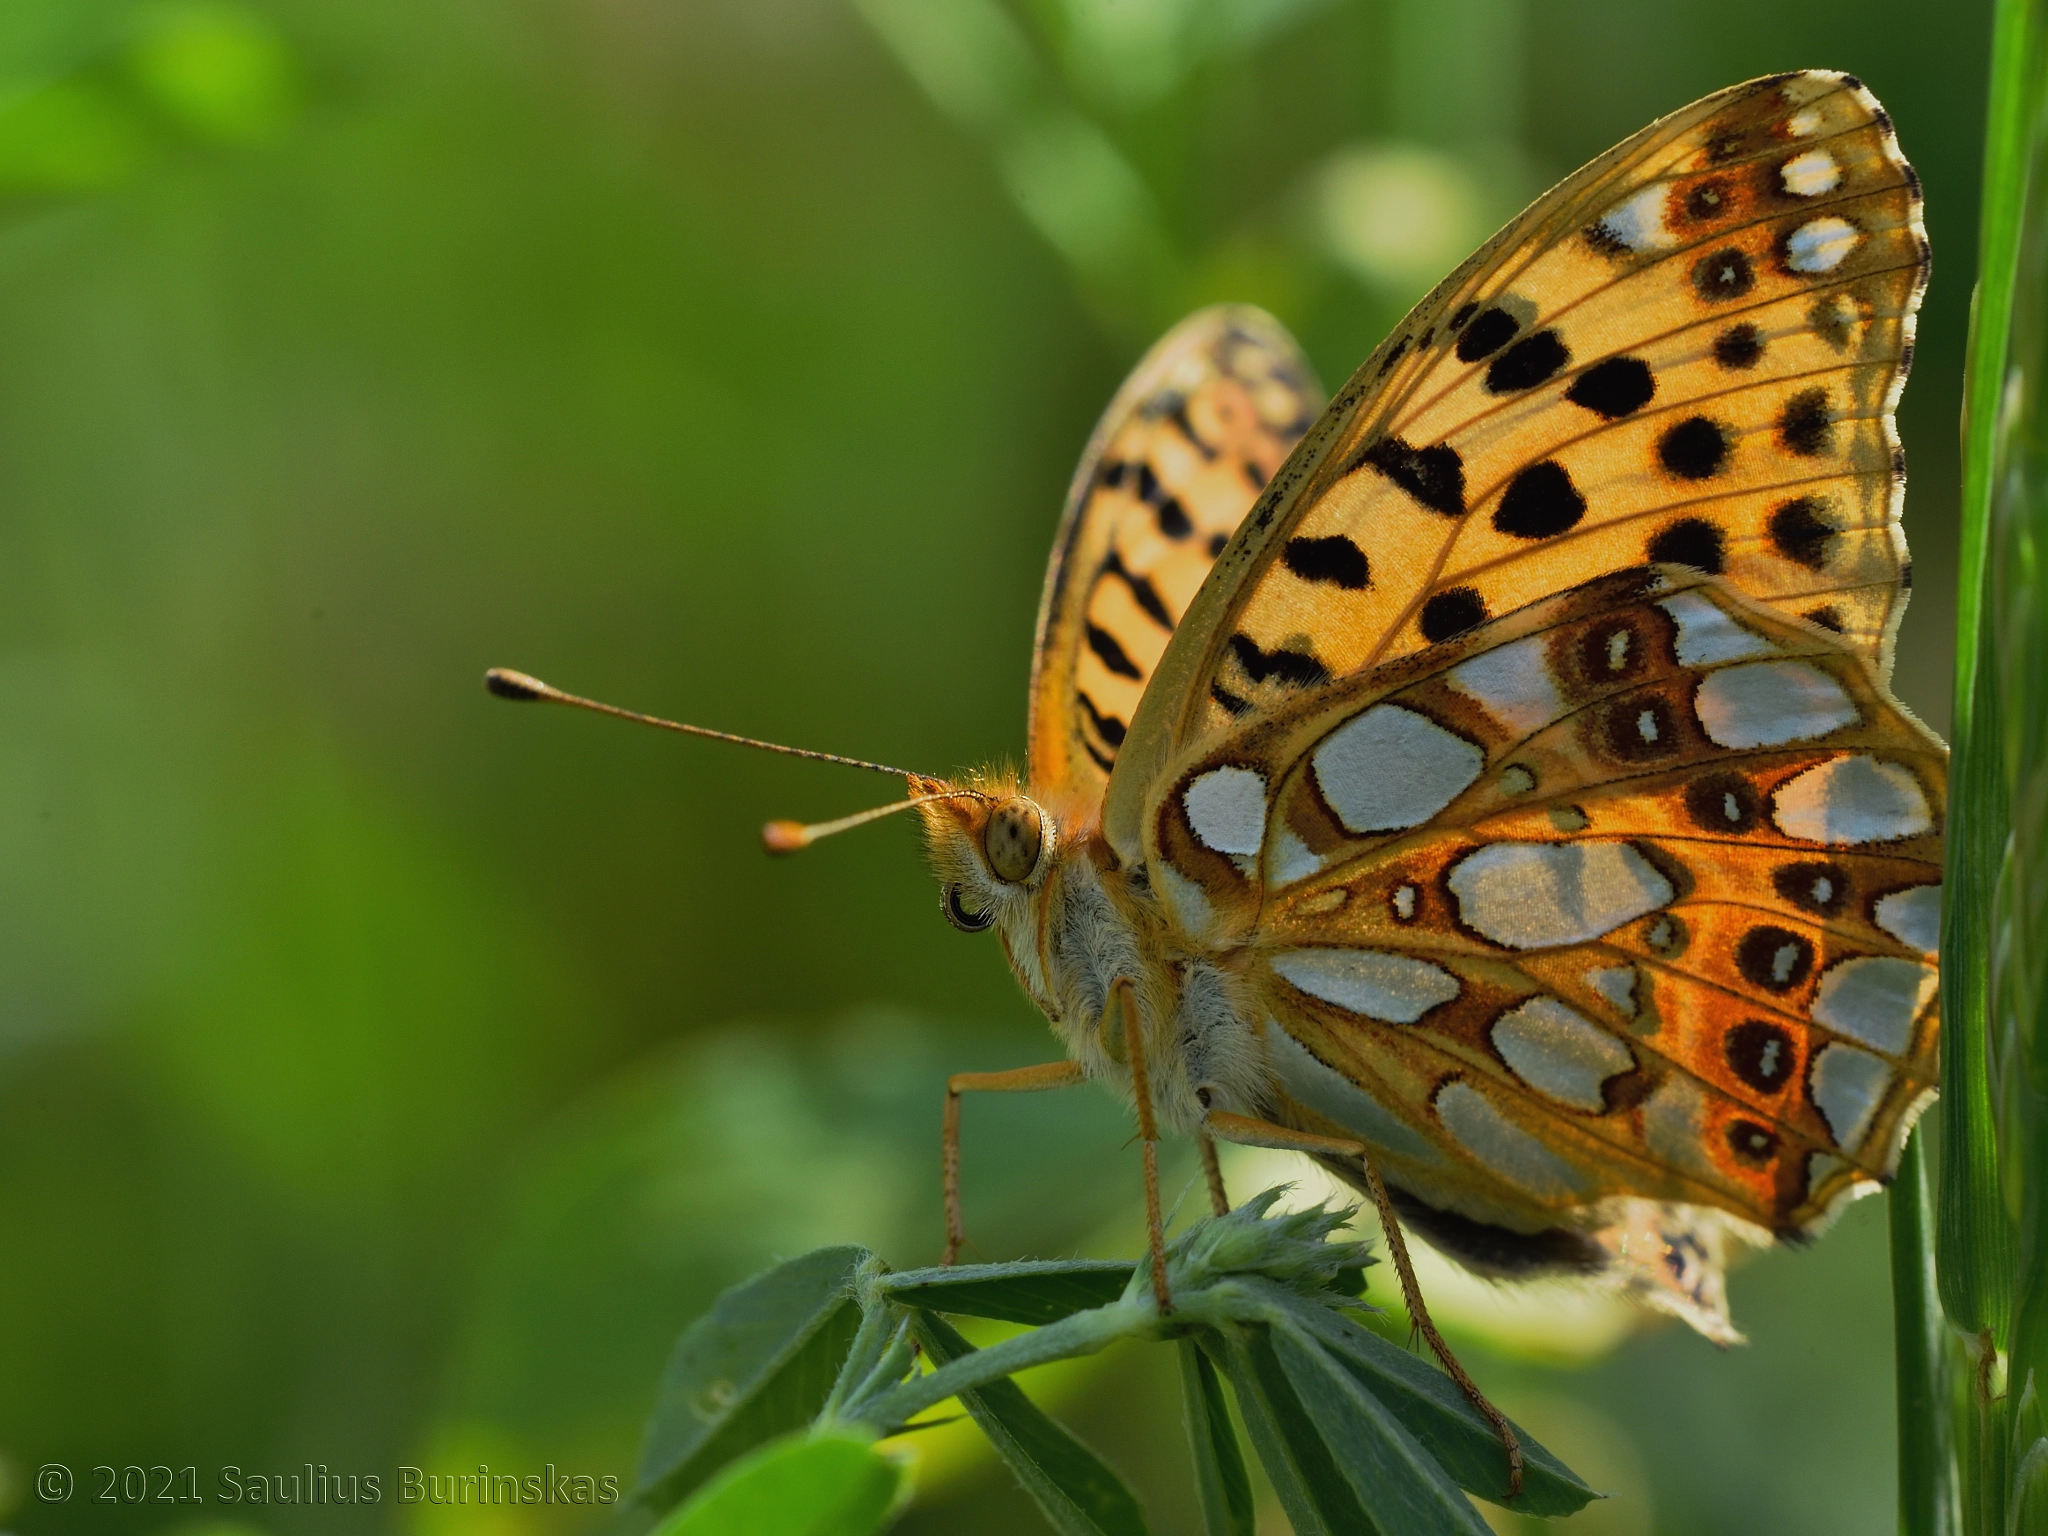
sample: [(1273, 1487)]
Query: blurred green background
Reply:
[(387, 1075)]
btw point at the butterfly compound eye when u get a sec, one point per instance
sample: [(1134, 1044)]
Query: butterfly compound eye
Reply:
[(1014, 839), (960, 917)]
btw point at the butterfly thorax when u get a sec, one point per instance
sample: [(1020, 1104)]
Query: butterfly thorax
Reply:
[(1078, 921)]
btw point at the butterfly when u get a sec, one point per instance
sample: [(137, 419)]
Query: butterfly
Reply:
[(1488, 782), (1495, 768)]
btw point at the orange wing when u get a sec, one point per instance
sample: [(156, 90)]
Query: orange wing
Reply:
[(1178, 459), (1688, 352), (1629, 896)]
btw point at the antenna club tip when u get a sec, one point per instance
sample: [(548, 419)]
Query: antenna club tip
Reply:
[(785, 836), (507, 684)]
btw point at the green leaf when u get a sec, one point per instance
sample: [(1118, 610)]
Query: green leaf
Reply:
[(1033, 1293), (1074, 1487), (758, 1365), (1312, 1489), (1221, 1482), (1402, 1486), (1432, 1408), (830, 1485)]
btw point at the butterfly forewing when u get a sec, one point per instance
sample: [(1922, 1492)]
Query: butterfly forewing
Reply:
[(1688, 352), (1630, 893), (1179, 458)]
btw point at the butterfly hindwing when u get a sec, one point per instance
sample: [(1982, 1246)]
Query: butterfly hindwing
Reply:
[(1629, 894), (1178, 459), (1687, 352)]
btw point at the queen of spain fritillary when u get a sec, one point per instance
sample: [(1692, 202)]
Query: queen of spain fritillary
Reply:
[(1488, 782), (1497, 768)]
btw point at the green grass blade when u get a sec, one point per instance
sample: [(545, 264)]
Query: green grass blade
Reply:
[(2017, 632), (1974, 1241)]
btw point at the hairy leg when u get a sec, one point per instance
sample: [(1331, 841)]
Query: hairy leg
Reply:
[(1262, 1133), (1051, 1074)]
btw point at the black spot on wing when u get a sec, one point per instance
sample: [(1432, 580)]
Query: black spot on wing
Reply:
[(1772, 958), (1752, 1143), (1218, 542), (1527, 363), (1333, 559), (1828, 617), (1463, 317), (1723, 147), (1450, 613), (1723, 802), (1690, 541), (1433, 476), (1761, 1054), (1723, 275), (1615, 388), (1708, 200), (1111, 654), (1179, 417), (1640, 730), (1695, 449), (1806, 426), (1800, 531), (1540, 503), (1109, 727), (1740, 346), (1490, 330), (1296, 668), (1232, 704), (1820, 887), (1142, 591), (1171, 515)]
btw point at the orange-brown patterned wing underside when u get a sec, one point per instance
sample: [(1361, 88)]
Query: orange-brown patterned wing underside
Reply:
[(1177, 461), (1630, 895), (1688, 352)]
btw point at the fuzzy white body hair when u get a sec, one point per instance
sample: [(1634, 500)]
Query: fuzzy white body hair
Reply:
[(1078, 926)]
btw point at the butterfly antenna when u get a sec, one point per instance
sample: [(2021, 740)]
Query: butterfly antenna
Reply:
[(777, 836), (507, 684), (794, 836)]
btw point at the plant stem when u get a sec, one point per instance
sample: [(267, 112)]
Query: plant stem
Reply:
[(1084, 1333), (1927, 1473)]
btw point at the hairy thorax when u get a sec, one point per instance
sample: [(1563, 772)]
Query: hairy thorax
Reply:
[(1093, 922)]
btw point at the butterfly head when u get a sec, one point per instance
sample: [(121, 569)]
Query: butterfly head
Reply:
[(989, 845)]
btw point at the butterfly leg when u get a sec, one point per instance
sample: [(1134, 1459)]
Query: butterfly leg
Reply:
[(1212, 1170), (1123, 998), (1051, 1074), (1261, 1133)]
